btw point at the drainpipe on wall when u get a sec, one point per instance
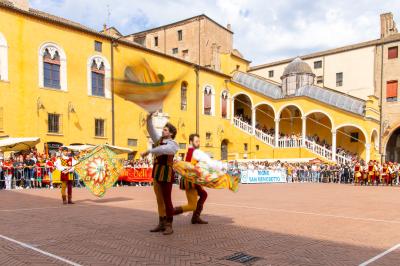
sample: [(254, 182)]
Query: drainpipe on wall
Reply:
[(113, 44), (380, 111), (196, 71), (112, 94)]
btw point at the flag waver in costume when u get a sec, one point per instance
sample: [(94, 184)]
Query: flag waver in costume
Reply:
[(193, 191), (64, 164), (207, 172), (163, 173)]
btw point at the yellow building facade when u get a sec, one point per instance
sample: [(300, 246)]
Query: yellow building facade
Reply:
[(203, 100)]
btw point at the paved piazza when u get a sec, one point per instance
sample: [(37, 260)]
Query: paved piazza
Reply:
[(280, 224)]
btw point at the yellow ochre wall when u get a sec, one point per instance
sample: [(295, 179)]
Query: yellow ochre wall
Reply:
[(19, 96)]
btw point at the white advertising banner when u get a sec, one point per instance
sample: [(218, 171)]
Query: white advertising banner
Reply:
[(263, 176)]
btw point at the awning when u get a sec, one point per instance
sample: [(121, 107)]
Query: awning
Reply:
[(18, 144), (116, 149)]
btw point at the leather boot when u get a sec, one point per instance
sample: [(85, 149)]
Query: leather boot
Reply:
[(178, 210), (64, 199), (160, 227), (196, 215), (70, 200), (168, 226)]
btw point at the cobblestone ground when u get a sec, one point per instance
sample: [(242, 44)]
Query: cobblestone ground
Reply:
[(281, 224)]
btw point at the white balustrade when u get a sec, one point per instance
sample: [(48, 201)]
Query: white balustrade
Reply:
[(290, 143), (243, 126), (268, 139)]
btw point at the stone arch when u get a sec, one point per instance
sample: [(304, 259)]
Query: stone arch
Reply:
[(319, 125), (392, 147), (278, 114), (347, 144)]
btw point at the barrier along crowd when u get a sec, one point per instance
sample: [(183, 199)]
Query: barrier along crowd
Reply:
[(30, 169)]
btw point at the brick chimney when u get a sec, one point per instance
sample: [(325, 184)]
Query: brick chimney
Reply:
[(388, 26)]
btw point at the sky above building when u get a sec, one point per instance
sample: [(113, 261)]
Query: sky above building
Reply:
[(265, 30)]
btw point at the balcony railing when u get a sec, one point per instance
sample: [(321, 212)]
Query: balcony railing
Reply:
[(289, 143), (243, 126), (318, 149), (268, 139)]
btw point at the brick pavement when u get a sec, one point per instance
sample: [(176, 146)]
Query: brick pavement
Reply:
[(283, 224)]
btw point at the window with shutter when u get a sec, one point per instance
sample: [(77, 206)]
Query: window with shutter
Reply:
[(393, 52), (207, 101), (391, 91)]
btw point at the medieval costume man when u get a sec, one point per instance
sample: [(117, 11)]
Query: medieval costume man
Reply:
[(377, 170), (163, 174), (65, 164), (371, 173), (193, 191), (357, 173)]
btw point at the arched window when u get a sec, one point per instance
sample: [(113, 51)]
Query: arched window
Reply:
[(184, 96), (52, 67), (3, 58), (99, 77), (225, 104), (208, 102)]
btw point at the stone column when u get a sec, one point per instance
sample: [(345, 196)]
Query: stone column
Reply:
[(277, 131), (303, 130), (334, 145), (367, 152), (253, 120), (232, 109)]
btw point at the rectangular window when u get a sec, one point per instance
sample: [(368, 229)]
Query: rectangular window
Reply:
[(132, 142), (98, 46), (246, 147), (99, 127), (53, 123), (391, 91), (180, 35), (185, 53), (257, 147), (393, 52), (51, 75), (354, 137), (237, 67), (98, 84), (1, 119), (320, 80), (339, 79), (271, 74), (156, 41), (317, 64), (208, 135), (175, 51), (182, 146)]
